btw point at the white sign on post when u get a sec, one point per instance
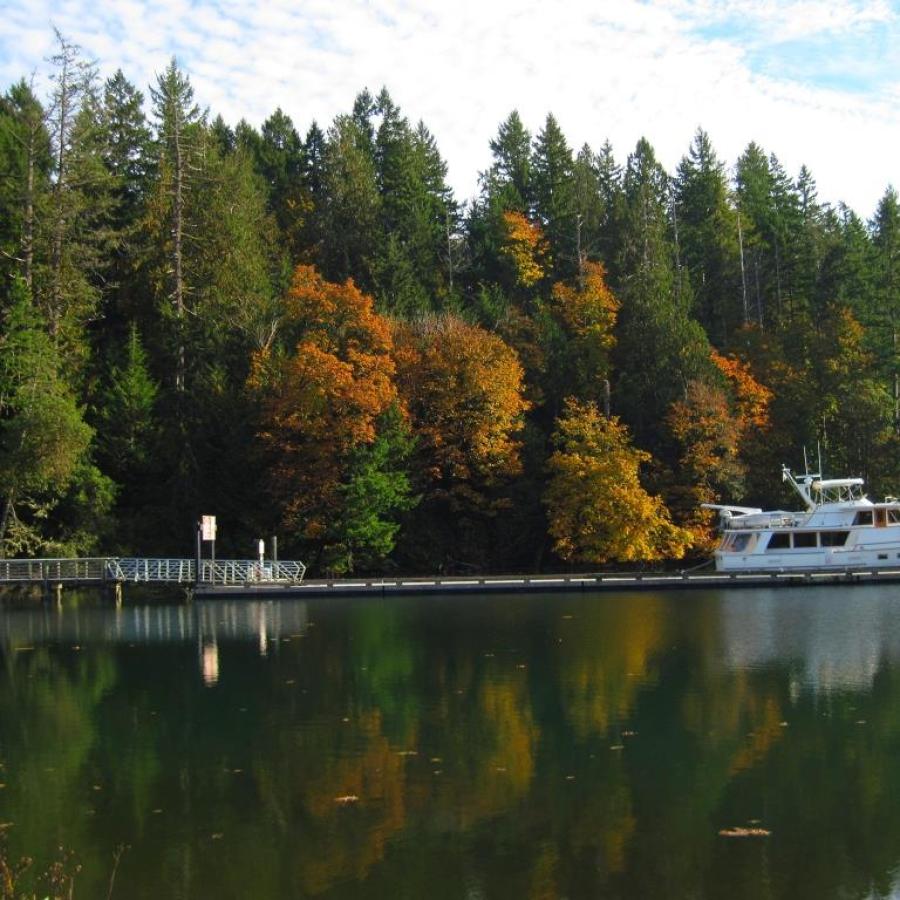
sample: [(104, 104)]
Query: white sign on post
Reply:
[(208, 528)]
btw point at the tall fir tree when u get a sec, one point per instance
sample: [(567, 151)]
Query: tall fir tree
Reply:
[(707, 239), (553, 185)]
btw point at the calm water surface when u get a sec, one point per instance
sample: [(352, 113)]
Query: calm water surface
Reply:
[(477, 747)]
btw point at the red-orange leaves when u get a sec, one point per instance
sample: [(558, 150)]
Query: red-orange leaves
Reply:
[(322, 400), (339, 318), (752, 398)]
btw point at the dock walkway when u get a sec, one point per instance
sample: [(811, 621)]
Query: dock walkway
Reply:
[(597, 582), (115, 570), (239, 578)]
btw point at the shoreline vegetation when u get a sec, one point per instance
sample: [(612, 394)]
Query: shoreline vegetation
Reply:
[(306, 334)]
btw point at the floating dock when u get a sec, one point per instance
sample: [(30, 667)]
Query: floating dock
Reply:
[(620, 581), (252, 578)]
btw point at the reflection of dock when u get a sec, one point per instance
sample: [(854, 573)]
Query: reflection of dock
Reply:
[(204, 623)]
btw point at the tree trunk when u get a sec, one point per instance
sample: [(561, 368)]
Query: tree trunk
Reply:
[(177, 254)]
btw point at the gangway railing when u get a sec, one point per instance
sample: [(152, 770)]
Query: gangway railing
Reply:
[(149, 570), (58, 570), (248, 571)]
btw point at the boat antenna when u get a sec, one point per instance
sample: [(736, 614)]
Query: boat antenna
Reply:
[(805, 462), (819, 447)]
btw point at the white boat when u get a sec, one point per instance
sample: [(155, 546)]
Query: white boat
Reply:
[(839, 529)]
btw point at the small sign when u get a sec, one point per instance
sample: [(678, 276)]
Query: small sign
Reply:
[(208, 528)]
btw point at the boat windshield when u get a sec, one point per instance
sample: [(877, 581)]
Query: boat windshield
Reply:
[(838, 490)]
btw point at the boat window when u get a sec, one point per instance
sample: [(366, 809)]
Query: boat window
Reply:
[(834, 538), (880, 517), (863, 517), (781, 540), (740, 542), (805, 539), (893, 516)]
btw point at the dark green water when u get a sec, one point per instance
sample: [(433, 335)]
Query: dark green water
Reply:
[(527, 746)]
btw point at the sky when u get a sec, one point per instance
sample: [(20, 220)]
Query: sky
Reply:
[(817, 82)]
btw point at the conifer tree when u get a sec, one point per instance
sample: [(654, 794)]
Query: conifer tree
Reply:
[(180, 144), (74, 234), (43, 436), (553, 185), (886, 241), (660, 348), (25, 160), (126, 151), (353, 203), (707, 239)]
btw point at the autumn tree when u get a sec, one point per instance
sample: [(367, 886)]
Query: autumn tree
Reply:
[(463, 388), (326, 423), (584, 310), (524, 247), (597, 510)]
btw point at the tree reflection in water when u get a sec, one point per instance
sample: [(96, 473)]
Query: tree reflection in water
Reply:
[(535, 746)]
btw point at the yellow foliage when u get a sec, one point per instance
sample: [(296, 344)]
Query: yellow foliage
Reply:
[(587, 310), (523, 247), (597, 509)]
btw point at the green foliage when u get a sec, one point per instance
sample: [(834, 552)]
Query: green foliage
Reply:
[(128, 427), (377, 491), (147, 272), (43, 436)]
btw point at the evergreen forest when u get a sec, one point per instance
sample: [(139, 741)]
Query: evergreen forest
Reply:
[(300, 330)]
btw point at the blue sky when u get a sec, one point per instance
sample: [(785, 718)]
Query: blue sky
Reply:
[(815, 81)]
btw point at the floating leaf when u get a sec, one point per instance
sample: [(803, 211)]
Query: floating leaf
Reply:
[(738, 832)]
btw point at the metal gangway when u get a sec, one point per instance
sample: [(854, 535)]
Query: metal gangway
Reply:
[(139, 570)]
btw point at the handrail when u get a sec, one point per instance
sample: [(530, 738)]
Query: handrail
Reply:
[(149, 570)]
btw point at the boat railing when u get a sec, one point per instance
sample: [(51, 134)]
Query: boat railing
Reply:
[(760, 522)]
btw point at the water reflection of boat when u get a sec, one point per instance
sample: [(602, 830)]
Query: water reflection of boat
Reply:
[(824, 640), (839, 529)]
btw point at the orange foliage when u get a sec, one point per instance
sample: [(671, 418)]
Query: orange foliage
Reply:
[(524, 247), (463, 388), (753, 398), (323, 400), (709, 435)]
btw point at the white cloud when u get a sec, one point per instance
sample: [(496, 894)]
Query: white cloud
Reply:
[(617, 71)]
